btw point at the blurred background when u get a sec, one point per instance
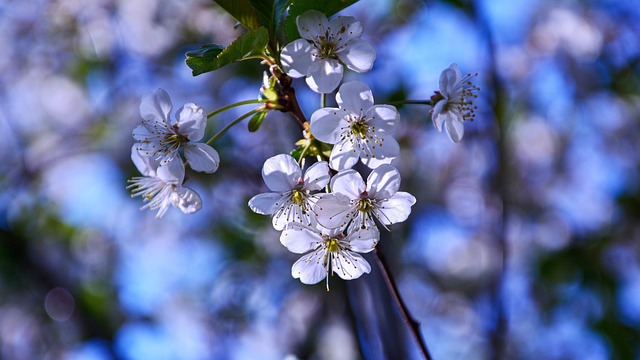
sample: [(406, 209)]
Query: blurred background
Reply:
[(524, 242)]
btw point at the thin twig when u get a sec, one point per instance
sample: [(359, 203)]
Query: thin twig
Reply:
[(414, 326)]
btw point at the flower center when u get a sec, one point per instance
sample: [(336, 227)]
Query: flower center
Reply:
[(365, 205), (333, 246), (327, 49), (297, 197), (360, 128)]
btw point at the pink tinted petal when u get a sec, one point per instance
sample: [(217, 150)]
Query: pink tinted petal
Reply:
[(156, 107), (266, 203), (397, 209), (312, 24), (299, 238), (296, 58), (383, 182), (281, 173), (187, 200), (172, 172), (326, 124), (358, 55), (317, 176), (348, 183), (383, 117), (191, 121), (309, 269), (324, 75), (355, 97), (201, 157)]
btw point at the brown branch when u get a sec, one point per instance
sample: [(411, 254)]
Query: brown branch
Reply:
[(414, 326)]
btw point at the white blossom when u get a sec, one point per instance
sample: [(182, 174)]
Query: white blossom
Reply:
[(161, 186), (360, 204), (357, 128), (160, 139), (454, 102), (292, 195), (329, 251), (323, 49)]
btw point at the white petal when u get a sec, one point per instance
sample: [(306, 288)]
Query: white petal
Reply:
[(187, 200), (172, 172), (291, 213), (358, 55), (348, 183), (355, 97), (156, 107), (312, 24), (281, 173), (344, 155), (455, 128), (299, 238), (437, 115), (383, 182), (352, 27), (317, 176), (142, 133), (191, 121), (201, 157), (326, 124), (143, 163), (397, 209), (266, 203), (383, 117), (296, 58), (309, 269), (384, 153), (324, 75), (448, 78), (349, 265), (363, 240), (333, 211)]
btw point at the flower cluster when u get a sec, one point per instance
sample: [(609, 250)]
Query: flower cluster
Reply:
[(331, 227), (156, 154), (325, 211)]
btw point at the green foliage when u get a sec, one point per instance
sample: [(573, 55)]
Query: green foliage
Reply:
[(256, 120), (243, 11), (301, 6), (212, 57)]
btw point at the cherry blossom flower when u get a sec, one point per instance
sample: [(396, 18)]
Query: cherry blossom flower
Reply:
[(292, 195), (323, 49), (161, 186), (160, 139), (330, 251), (454, 102), (358, 128), (352, 201)]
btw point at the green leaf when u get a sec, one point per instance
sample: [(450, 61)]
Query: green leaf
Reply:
[(256, 120), (270, 13), (253, 14), (299, 7), (243, 11), (212, 57)]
